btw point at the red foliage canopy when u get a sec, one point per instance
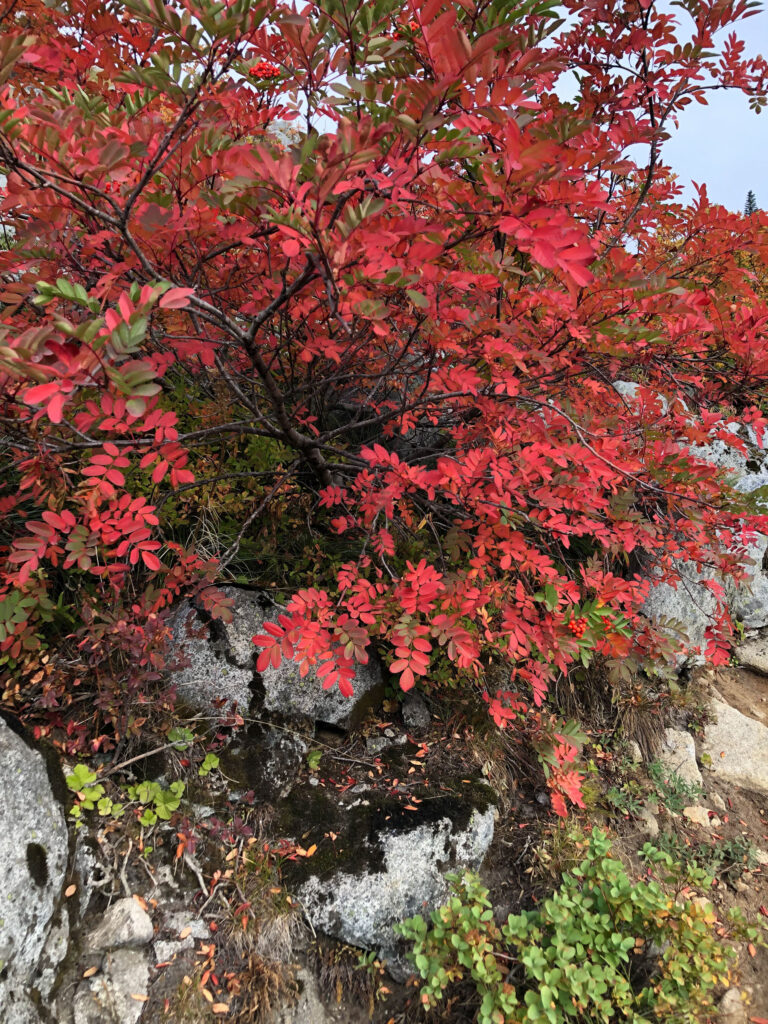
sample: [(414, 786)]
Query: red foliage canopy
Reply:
[(404, 256)]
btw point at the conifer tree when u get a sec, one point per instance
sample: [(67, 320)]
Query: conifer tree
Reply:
[(750, 206)]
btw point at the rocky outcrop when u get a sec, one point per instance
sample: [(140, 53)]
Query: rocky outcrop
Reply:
[(220, 664), (737, 747), (396, 869), (34, 855)]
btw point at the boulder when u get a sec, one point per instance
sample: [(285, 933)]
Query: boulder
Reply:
[(34, 855), (396, 868), (678, 754), (222, 664), (738, 748)]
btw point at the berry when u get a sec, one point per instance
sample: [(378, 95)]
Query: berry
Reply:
[(264, 69), (578, 627)]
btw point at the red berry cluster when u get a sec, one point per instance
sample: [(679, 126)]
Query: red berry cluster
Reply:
[(264, 69), (111, 186), (578, 627), (412, 27)]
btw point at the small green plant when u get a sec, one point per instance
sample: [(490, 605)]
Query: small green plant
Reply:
[(90, 795), (157, 802), (625, 799), (725, 858), (181, 737), (313, 759), (210, 764), (672, 790), (601, 947)]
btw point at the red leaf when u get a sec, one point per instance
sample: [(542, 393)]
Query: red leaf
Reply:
[(176, 298)]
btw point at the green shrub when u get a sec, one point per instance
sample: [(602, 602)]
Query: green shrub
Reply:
[(602, 947), (671, 789)]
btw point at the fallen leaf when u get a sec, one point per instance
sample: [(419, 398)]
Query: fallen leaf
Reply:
[(312, 849), (220, 1008), (141, 901), (70, 891), (185, 932), (139, 997), (751, 949), (90, 972), (207, 995), (232, 854)]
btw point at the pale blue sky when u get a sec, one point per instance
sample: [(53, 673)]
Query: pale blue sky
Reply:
[(725, 144)]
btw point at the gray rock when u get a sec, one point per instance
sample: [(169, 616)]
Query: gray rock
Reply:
[(117, 994), (748, 600), (698, 815), (375, 744), (753, 654), (54, 951), (648, 823), (678, 754), (211, 674), (167, 949), (717, 801), (309, 1007), (684, 611), (416, 714), (738, 748), (19, 1009), (362, 908), (33, 854), (123, 924), (223, 665), (634, 753), (732, 1009), (266, 760)]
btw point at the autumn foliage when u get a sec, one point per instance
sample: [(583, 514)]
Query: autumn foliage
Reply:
[(377, 237)]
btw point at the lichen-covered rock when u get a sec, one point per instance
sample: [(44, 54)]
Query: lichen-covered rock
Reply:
[(737, 747), (266, 759), (678, 754), (222, 664), (117, 993), (360, 904), (33, 855), (416, 714)]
